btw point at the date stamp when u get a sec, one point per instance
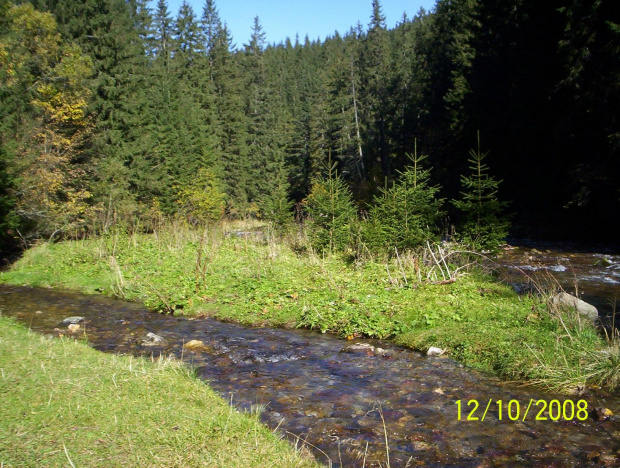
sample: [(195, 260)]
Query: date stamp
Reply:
[(513, 410)]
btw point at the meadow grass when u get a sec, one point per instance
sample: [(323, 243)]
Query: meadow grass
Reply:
[(65, 404), (264, 281)]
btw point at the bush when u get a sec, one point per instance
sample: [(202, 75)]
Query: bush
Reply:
[(276, 207), (483, 227), (201, 200), (331, 211), (406, 215)]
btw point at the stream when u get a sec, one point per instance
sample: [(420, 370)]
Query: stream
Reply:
[(343, 402), (594, 277)]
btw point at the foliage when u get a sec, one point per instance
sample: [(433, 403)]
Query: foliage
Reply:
[(406, 215), (152, 96), (331, 212), (53, 188), (275, 206), (201, 200), (484, 226)]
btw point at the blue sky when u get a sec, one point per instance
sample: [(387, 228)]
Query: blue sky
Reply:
[(317, 18)]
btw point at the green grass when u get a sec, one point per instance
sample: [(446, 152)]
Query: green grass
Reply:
[(482, 323), (63, 403)]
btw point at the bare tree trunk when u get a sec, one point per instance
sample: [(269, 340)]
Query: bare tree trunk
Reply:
[(359, 163)]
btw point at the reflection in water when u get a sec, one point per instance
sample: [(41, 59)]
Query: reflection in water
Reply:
[(340, 403)]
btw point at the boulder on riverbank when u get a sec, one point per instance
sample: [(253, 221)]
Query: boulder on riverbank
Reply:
[(434, 351), (568, 300)]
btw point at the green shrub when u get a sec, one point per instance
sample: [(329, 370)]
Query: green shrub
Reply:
[(201, 200), (407, 214), (331, 211), (483, 227), (275, 206)]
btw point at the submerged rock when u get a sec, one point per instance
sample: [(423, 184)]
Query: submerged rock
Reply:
[(359, 348), (73, 320), (602, 413), (433, 351), (151, 339), (195, 345), (368, 349), (568, 300)]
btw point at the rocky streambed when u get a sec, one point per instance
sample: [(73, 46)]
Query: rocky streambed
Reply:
[(592, 276), (352, 403)]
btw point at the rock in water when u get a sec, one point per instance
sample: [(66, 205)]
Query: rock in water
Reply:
[(73, 320), (151, 339), (73, 327), (602, 413), (359, 348), (195, 345), (584, 309), (433, 351)]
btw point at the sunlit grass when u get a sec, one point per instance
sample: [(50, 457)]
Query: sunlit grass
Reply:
[(65, 404), (260, 280)]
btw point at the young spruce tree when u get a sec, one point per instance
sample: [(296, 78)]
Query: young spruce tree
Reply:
[(484, 227), (406, 215), (332, 212)]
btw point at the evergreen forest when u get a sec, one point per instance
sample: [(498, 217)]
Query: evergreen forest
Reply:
[(467, 120)]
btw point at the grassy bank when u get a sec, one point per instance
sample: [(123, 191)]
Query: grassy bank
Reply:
[(263, 282), (63, 403)]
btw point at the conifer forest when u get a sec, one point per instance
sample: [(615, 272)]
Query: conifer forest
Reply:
[(478, 119)]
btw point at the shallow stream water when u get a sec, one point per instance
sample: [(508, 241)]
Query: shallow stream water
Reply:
[(594, 277), (342, 405)]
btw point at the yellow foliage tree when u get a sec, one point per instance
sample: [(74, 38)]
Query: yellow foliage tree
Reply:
[(52, 191), (202, 200)]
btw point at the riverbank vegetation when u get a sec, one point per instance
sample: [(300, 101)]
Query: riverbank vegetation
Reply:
[(65, 404), (422, 298)]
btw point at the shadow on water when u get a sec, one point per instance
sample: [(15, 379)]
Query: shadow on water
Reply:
[(341, 403)]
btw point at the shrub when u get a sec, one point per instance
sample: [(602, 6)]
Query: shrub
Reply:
[(407, 214), (201, 200), (332, 212), (483, 227)]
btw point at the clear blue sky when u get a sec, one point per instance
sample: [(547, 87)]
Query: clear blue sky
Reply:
[(316, 18)]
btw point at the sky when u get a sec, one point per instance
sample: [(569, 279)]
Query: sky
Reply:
[(316, 18)]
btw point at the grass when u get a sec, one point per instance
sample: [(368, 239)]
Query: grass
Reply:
[(266, 282), (65, 404)]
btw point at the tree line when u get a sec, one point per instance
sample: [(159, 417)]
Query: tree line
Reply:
[(114, 112)]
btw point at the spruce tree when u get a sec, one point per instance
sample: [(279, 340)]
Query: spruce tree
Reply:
[(484, 226), (408, 214), (331, 211)]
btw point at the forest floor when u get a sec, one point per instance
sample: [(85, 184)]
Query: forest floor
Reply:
[(258, 280), (65, 404)]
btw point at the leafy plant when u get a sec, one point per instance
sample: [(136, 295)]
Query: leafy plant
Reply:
[(276, 206), (201, 200)]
